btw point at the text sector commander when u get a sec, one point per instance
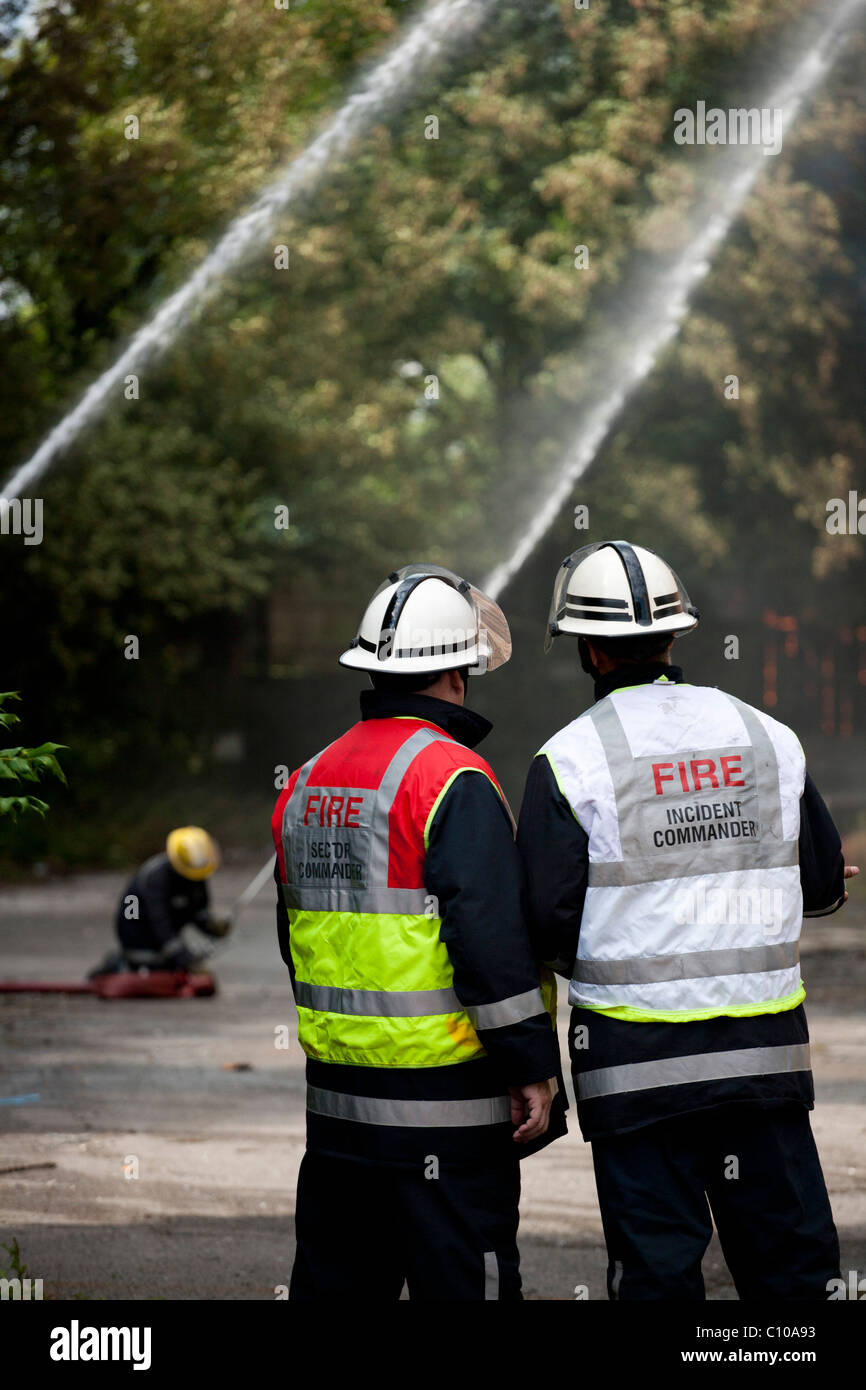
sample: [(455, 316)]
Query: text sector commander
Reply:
[(432, 1059)]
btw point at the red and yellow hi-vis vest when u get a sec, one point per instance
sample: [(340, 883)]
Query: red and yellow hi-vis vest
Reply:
[(373, 981)]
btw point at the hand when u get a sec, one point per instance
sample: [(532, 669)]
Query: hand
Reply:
[(530, 1110), (851, 871)]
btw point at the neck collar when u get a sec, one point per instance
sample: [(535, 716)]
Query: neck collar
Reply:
[(637, 673), (461, 723)]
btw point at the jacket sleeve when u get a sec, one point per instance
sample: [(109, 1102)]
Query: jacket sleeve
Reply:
[(155, 888), (474, 871), (821, 862), (555, 852), (283, 925), (201, 914)]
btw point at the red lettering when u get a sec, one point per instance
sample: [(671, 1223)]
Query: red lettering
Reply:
[(701, 770), (310, 800), (698, 776), (355, 802), (658, 778), (335, 808), (726, 770), (322, 810)]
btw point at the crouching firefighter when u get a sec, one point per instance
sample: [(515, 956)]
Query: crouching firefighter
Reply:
[(167, 893), (432, 1060), (673, 839)]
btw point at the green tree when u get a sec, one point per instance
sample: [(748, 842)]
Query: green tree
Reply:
[(24, 765)]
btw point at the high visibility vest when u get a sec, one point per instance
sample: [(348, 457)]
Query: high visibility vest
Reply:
[(690, 799), (373, 982)]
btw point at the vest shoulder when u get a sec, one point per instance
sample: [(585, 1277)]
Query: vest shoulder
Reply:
[(782, 733), (566, 735), (447, 754), (708, 695)]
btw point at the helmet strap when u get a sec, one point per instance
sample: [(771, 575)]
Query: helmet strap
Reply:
[(586, 661)]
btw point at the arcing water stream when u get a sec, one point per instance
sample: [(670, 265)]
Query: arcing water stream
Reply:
[(652, 318), (439, 30)]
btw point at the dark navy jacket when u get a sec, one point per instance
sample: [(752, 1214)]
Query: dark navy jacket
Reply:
[(554, 848)]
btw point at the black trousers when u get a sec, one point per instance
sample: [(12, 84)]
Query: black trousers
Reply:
[(755, 1168), (362, 1229)]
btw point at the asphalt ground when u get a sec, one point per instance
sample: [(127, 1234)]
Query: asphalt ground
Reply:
[(159, 1158)]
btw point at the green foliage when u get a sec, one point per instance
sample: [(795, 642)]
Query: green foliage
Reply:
[(24, 765), (449, 258), (16, 1265)]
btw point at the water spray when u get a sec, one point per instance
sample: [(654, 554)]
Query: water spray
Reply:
[(655, 314), (442, 29)]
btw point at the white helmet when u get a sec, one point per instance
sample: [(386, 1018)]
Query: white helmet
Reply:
[(425, 618), (614, 589)]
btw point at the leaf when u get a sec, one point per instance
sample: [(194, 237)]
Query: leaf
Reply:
[(13, 805), (20, 768)]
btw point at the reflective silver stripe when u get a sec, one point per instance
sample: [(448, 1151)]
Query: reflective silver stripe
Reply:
[(617, 751), (506, 1011), (409, 1114), (766, 771), (406, 902), (620, 761), (291, 805), (371, 849), (377, 868), (292, 802), (491, 1276), (377, 1003), (681, 1071), (691, 965), (298, 788), (825, 911), (769, 851), (726, 858), (417, 1003)]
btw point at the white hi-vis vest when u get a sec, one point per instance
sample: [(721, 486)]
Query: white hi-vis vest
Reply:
[(691, 803)]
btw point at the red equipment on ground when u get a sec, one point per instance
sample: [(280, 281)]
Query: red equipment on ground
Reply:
[(155, 984), (133, 984)]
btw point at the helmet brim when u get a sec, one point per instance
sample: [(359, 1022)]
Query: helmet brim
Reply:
[(491, 649), (559, 623)]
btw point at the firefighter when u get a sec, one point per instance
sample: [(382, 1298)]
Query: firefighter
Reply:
[(673, 840), (167, 893), (432, 1060)]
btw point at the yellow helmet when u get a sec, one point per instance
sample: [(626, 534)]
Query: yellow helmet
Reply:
[(192, 852)]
